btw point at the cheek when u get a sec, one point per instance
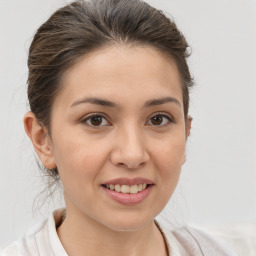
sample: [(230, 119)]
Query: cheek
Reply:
[(169, 158), (78, 159)]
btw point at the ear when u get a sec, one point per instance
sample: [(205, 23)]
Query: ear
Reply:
[(40, 139), (188, 129), (188, 125)]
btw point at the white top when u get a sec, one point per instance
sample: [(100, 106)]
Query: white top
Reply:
[(42, 239)]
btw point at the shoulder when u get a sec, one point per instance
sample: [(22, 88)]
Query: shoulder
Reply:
[(41, 239), (190, 241), (200, 242), (11, 250), (27, 245)]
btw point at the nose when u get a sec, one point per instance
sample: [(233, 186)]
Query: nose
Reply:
[(129, 149)]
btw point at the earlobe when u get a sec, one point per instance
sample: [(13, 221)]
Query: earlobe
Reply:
[(40, 140), (184, 158)]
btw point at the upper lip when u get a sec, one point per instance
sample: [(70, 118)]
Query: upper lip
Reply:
[(128, 181)]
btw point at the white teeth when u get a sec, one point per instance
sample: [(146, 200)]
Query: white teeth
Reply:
[(117, 188), (134, 189), (140, 187), (126, 189)]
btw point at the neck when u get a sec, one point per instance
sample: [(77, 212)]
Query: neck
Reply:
[(85, 236)]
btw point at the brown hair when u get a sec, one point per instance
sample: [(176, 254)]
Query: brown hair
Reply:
[(81, 27)]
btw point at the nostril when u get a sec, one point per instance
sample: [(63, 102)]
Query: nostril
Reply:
[(129, 158)]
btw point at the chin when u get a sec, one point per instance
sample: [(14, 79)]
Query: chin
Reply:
[(124, 222)]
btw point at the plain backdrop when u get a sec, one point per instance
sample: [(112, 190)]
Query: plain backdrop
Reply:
[(218, 181)]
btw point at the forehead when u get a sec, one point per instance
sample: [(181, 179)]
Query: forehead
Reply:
[(122, 71)]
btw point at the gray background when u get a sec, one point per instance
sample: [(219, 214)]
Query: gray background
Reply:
[(218, 182)]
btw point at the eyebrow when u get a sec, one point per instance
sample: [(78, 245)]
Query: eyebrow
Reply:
[(161, 101), (149, 103), (95, 101)]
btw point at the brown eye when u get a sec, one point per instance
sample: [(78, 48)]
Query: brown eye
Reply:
[(160, 120), (157, 120), (96, 121)]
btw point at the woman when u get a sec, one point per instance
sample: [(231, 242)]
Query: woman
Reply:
[(108, 89)]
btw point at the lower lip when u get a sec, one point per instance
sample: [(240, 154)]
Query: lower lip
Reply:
[(128, 199)]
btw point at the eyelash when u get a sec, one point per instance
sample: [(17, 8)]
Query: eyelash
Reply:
[(163, 116), (87, 118)]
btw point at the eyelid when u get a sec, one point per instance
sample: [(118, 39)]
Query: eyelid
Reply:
[(165, 115), (88, 116)]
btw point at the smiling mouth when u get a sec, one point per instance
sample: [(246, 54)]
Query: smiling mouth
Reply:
[(126, 189)]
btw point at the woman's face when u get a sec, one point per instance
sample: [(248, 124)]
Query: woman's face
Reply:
[(118, 122)]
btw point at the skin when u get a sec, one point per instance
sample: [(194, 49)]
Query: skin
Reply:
[(127, 143)]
